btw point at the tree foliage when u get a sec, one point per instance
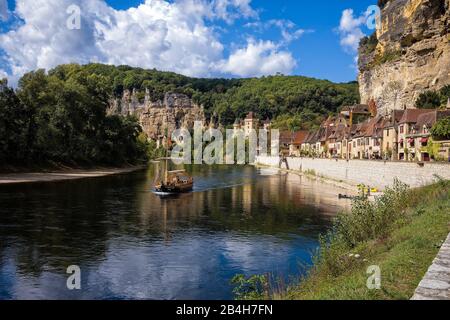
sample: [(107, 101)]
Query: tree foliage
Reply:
[(61, 117), (441, 129), (433, 99), (228, 99)]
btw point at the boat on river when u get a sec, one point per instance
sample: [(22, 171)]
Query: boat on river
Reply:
[(173, 182)]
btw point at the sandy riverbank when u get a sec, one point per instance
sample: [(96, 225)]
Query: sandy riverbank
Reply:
[(63, 175)]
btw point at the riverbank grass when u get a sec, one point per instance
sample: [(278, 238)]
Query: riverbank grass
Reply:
[(400, 232)]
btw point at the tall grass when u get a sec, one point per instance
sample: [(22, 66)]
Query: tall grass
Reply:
[(366, 220), (371, 229)]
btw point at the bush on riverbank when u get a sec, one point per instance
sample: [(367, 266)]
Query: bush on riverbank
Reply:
[(400, 232)]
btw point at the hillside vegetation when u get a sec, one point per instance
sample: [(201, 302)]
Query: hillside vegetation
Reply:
[(60, 115), (228, 99)]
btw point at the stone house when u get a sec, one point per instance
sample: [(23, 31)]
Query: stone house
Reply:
[(250, 123), (358, 141), (390, 135), (373, 138), (309, 145), (406, 129), (337, 144), (421, 135)]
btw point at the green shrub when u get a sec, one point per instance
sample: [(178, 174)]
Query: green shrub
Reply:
[(445, 95), (388, 56), (441, 129), (428, 100), (252, 288), (369, 44)]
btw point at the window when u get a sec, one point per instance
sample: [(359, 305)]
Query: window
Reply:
[(387, 132), (402, 129)]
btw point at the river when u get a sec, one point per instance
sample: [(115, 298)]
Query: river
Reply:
[(133, 244)]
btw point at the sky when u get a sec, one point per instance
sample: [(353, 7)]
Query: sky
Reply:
[(199, 38)]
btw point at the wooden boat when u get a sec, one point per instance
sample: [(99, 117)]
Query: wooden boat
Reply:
[(175, 182)]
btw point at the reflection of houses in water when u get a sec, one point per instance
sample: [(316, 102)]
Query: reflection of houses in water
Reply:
[(235, 197), (247, 195)]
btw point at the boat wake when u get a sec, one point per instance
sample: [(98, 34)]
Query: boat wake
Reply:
[(162, 193)]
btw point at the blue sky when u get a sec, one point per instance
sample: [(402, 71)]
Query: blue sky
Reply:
[(226, 38)]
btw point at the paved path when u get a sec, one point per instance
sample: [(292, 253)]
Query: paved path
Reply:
[(15, 178), (436, 284)]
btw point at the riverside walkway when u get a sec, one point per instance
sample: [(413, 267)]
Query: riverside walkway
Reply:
[(436, 284)]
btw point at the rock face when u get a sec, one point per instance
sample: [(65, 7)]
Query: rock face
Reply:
[(412, 54), (159, 118)]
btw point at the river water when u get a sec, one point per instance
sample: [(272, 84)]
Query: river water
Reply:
[(133, 244)]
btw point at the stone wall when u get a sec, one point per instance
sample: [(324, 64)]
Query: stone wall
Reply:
[(377, 174)]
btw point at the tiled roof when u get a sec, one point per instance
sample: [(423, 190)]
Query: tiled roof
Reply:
[(374, 126), (312, 137), (411, 115), (395, 118), (300, 137), (430, 118)]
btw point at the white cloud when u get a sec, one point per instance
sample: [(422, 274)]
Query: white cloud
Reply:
[(288, 29), (350, 30), (167, 35), (259, 58), (230, 10)]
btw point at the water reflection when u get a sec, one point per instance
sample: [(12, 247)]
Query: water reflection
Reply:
[(132, 244)]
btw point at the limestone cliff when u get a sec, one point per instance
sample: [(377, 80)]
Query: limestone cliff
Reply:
[(410, 55), (159, 117)]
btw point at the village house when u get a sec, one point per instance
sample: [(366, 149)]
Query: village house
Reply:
[(373, 138), (358, 140), (299, 139), (309, 146), (421, 134), (359, 133), (406, 143), (336, 141), (250, 123), (286, 139), (390, 135)]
